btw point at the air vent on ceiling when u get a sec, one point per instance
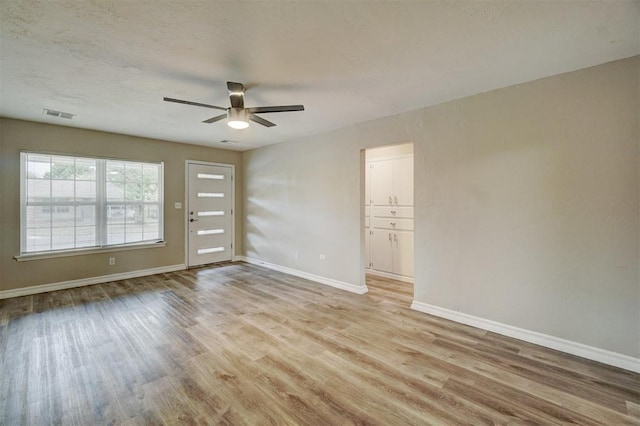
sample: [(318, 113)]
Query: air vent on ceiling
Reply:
[(227, 141), (59, 114)]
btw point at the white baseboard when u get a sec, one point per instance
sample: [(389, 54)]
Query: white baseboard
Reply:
[(388, 275), (353, 288), (5, 294), (585, 351)]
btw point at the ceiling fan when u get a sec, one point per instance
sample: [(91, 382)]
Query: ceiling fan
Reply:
[(238, 116)]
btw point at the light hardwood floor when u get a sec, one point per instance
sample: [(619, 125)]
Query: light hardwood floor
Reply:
[(239, 344)]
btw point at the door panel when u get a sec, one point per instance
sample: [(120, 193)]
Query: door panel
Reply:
[(403, 182), (403, 253), (381, 187), (367, 247), (367, 184), (381, 245), (210, 208)]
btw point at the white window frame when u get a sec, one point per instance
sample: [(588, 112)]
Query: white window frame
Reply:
[(101, 205)]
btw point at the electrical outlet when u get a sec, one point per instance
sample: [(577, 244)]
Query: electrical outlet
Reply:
[(112, 261), (322, 257)]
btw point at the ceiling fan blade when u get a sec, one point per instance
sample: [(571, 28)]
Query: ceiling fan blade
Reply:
[(261, 120), (180, 101), (216, 118), (284, 108)]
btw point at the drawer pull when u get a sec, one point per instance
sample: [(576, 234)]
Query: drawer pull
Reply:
[(393, 224)]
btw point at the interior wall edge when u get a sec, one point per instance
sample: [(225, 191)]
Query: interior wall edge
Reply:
[(342, 285), (563, 345), (63, 285)]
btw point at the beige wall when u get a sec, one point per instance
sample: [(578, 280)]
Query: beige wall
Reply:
[(527, 206), (16, 135)]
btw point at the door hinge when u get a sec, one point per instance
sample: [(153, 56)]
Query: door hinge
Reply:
[(231, 211), (231, 245)]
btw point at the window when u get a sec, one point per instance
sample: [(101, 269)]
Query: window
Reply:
[(72, 203)]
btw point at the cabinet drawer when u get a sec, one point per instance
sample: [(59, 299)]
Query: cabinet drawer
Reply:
[(390, 211), (393, 223)]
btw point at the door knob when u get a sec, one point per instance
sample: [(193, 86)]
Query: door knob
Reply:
[(193, 220)]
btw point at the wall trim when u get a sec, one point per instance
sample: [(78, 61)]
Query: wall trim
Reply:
[(342, 285), (389, 275), (585, 351), (44, 288)]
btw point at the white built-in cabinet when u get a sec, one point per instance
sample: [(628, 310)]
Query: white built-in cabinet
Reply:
[(389, 216)]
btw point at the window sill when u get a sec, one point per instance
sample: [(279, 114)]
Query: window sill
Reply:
[(77, 252)]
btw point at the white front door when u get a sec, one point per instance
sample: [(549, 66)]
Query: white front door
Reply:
[(209, 213)]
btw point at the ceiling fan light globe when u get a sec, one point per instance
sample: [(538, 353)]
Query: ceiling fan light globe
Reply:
[(238, 124)]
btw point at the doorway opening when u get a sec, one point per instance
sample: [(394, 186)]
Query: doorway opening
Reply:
[(388, 219)]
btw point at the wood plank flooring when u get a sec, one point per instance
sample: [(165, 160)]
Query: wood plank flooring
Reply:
[(242, 345)]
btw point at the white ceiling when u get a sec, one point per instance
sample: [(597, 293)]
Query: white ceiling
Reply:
[(111, 62)]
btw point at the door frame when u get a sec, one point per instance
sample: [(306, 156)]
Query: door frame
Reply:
[(186, 205), (363, 173)]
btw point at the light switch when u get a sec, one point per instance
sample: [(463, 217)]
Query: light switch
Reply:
[(178, 206)]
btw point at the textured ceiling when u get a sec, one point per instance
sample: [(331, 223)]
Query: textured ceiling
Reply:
[(111, 62)]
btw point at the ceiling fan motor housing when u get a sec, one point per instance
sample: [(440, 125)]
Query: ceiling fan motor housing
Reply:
[(237, 114)]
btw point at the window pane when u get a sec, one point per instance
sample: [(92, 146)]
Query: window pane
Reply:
[(151, 219), (62, 168), (115, 234), (151, 182), (62, 216), (62, 191), (85, 216), (86, 236), (38, 190), (133, 191), (38, 166), (85, 169), (62, 238), (38, 239), (85, 191), (115, 223), (133, 172), (134, 233), (115, 191), (38, 217), (115, 171)]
